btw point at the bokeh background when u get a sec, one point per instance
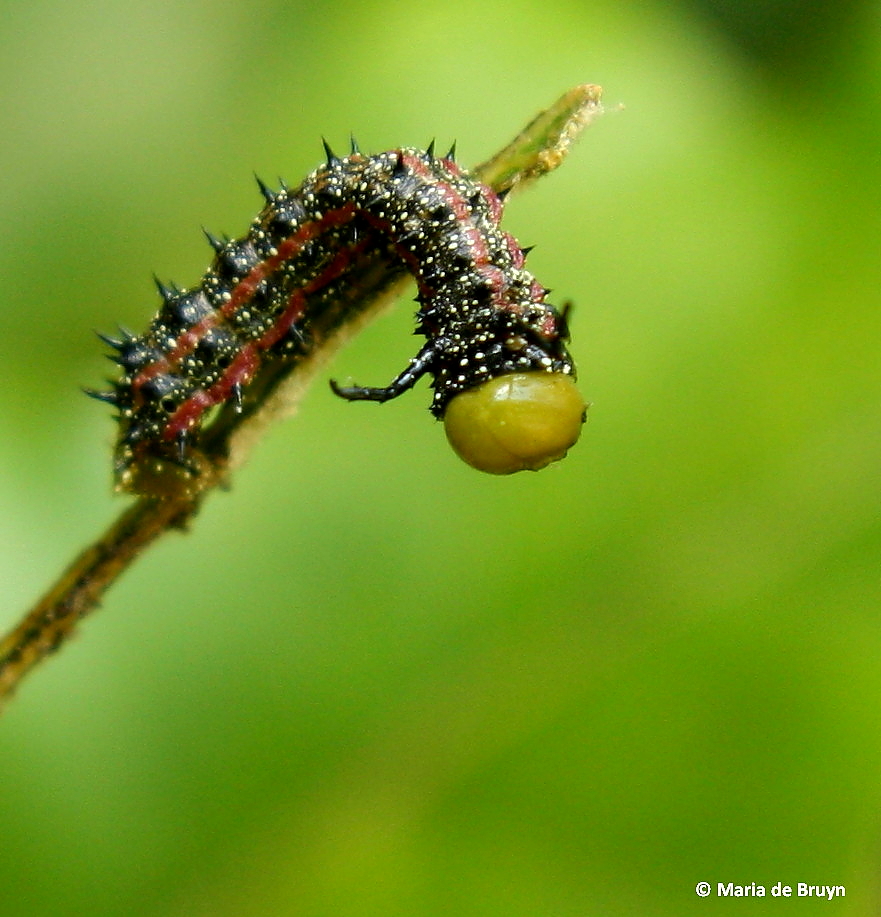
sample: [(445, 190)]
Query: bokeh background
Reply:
[(370, 681)]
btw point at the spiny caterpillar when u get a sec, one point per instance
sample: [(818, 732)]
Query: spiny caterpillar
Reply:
[(502, 377)]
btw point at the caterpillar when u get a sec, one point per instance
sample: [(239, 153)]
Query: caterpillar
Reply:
[(502, 378)]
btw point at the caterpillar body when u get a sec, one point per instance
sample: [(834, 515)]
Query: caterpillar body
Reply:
[(495, 349)]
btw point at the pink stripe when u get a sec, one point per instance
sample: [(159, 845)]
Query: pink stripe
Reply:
[(243, 292), (239, 372), (247, 361), (476, 243)]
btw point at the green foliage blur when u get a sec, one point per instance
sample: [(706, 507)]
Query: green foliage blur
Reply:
[(369, 680)]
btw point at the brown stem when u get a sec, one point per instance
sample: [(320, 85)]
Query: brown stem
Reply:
[(80, 587)]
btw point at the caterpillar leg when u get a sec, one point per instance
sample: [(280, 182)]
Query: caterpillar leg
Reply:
[(419, 366)]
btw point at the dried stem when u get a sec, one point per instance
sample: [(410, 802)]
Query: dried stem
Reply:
[(538, 149)]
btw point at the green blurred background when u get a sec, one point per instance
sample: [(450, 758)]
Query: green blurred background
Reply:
[(370, 681)]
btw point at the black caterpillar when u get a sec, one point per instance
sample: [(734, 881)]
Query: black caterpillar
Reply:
[(482, 313)]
